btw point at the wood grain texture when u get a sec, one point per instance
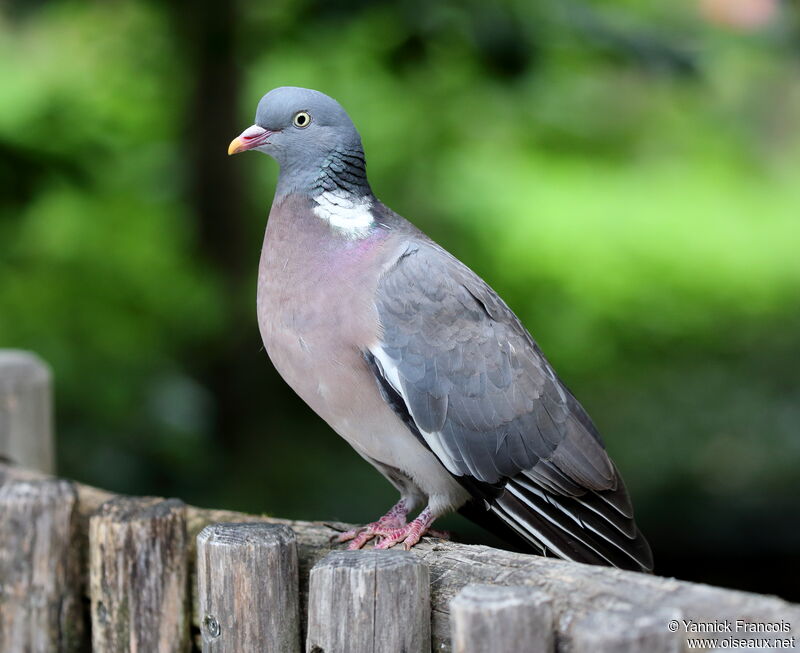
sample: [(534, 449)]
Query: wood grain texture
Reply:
[(365, 601), (494, 619), (40, 579), (625, 632), (138, 576), (26, 410), (248, 588), (575, 589)]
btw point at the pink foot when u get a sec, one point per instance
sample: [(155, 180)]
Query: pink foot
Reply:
[(410, 534), (392, 520)]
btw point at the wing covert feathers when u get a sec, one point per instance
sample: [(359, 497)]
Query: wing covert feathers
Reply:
[(478, 391)]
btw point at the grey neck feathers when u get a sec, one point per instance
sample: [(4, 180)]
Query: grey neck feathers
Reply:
[(343, 169)]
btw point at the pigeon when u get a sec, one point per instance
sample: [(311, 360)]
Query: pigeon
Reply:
[(417, 363)]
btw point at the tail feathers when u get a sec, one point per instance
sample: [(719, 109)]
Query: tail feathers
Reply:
[(597, 515), (596, 527)]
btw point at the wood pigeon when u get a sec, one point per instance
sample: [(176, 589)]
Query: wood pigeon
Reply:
[(415, 361)]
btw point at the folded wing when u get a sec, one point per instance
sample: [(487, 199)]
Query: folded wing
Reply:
[(475, 388)]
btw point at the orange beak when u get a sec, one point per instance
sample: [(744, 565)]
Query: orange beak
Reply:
[(250, 138)]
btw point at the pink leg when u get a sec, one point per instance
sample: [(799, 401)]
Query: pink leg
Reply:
[(410, 534), (392, 520)]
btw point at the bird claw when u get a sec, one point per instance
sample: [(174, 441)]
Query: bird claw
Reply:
[(346, 536), (358, 537), (390, 530), (410, 534), (361, 539)]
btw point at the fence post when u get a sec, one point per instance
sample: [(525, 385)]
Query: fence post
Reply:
[(138, 580), (248, 588), (493, 619), (365, 601), (40, 581), (627, 632), (26, 410)]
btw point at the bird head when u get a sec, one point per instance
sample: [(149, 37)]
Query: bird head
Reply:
[(298, 127)]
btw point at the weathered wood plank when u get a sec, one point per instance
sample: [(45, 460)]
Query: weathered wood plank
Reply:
[(494, 619), (369, 601), (625, 632), (574, 589), (247, 586), (138, 576), (26, 410), (40, 579)]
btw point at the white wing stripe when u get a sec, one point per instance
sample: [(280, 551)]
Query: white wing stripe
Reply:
[(433, 439)]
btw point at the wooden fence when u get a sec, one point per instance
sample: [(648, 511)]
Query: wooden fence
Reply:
[(82, 569)]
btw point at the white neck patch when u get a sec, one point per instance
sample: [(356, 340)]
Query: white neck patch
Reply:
[(344, 212)]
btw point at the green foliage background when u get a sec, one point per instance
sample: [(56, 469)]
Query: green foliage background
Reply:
[(624, 174)]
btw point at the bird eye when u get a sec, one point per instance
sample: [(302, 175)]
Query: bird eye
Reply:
[(302, 119)]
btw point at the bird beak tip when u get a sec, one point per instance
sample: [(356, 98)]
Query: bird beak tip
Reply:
[(251, 138), (235, 146)]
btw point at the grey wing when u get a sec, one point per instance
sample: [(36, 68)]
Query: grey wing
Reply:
[(476, 389)]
